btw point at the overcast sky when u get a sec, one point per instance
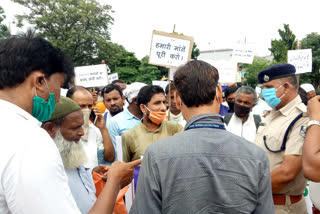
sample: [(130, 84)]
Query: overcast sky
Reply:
[(214, 24)]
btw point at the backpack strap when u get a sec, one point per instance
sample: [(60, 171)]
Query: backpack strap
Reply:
[(227, 118), (257, 120)]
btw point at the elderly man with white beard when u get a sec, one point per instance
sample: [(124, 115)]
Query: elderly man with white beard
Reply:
[(65, 127)]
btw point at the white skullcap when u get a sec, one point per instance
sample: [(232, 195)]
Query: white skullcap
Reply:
[(307, 87), (132, 90)]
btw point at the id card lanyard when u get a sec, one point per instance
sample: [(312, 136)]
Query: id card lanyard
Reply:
[(206, 125)]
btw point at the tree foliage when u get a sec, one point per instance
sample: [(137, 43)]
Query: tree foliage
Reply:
[(133, 70), (252, 71), (4, 31), (111, 53), (195, 51), (279, 48), (127, 74), (78, 27), (312, 41)]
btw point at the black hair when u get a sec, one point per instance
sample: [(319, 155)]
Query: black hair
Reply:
[(118, 81), (110, 88), (146, 93), (247, 90), (172, 87), (292, 80), (23, 54), (196, 83), (303, 95), (72, 90), (230, 90)]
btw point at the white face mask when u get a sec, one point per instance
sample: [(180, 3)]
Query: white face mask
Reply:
[(85, 126)]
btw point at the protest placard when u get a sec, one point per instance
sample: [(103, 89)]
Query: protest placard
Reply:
[(170, 50), (227, 70), (113, 77), (172, 71), (119, 148), (243, 54), (301, 59), (162, 84), (91, 76)]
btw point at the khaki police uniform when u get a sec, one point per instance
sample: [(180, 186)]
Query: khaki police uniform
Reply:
[(274, 127)]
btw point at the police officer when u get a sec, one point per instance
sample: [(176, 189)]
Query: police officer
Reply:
[(281, 135)]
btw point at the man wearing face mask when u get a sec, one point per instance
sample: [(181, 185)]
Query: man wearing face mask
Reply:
[(281, 135), (230, 94), (243, 122), (204, 169), (97, 143), (152, 103), (129, 117), (31, 74)]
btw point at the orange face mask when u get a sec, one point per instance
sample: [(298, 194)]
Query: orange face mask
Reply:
[(156, 116)]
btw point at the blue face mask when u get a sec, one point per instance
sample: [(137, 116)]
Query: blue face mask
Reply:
[(270, 96), (41, 109)]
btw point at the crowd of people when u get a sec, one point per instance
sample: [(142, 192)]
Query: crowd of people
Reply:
[(203, 147)]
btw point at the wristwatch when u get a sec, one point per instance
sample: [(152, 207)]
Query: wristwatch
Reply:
[(313, 122)]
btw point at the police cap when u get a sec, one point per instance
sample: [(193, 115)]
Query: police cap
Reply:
[(276, 72)]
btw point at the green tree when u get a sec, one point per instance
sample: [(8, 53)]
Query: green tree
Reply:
[(111, 53), (312, 41), (251, 71), (128, 74), (78, 27), (279, 51), (279, 48), (147, 73), (129, 60), (4, 31), (195, 51)]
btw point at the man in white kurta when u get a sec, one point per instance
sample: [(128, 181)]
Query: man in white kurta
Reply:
[(243, 122)]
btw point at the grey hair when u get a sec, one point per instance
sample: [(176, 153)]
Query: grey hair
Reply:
[(247, 90)]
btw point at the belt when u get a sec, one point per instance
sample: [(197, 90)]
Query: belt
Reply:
[(280, 199)]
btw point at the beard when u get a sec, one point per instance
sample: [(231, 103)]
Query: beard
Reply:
[(113, 113), (72, 153)]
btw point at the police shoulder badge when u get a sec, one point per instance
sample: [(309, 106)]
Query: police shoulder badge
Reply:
[(303, 131), (266, 78)]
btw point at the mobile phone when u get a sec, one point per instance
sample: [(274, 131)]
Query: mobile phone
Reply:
[(92, 116)]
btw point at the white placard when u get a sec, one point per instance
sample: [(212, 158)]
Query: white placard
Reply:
[(91, 76), (301, 59), (172, 71), (119, 148), (243, 54), (170, 50), (162, 84), (113, 77), (258, 90), (227, 70), (129, 196)]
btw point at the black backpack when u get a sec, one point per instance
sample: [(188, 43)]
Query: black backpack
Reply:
[(256, 117)]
